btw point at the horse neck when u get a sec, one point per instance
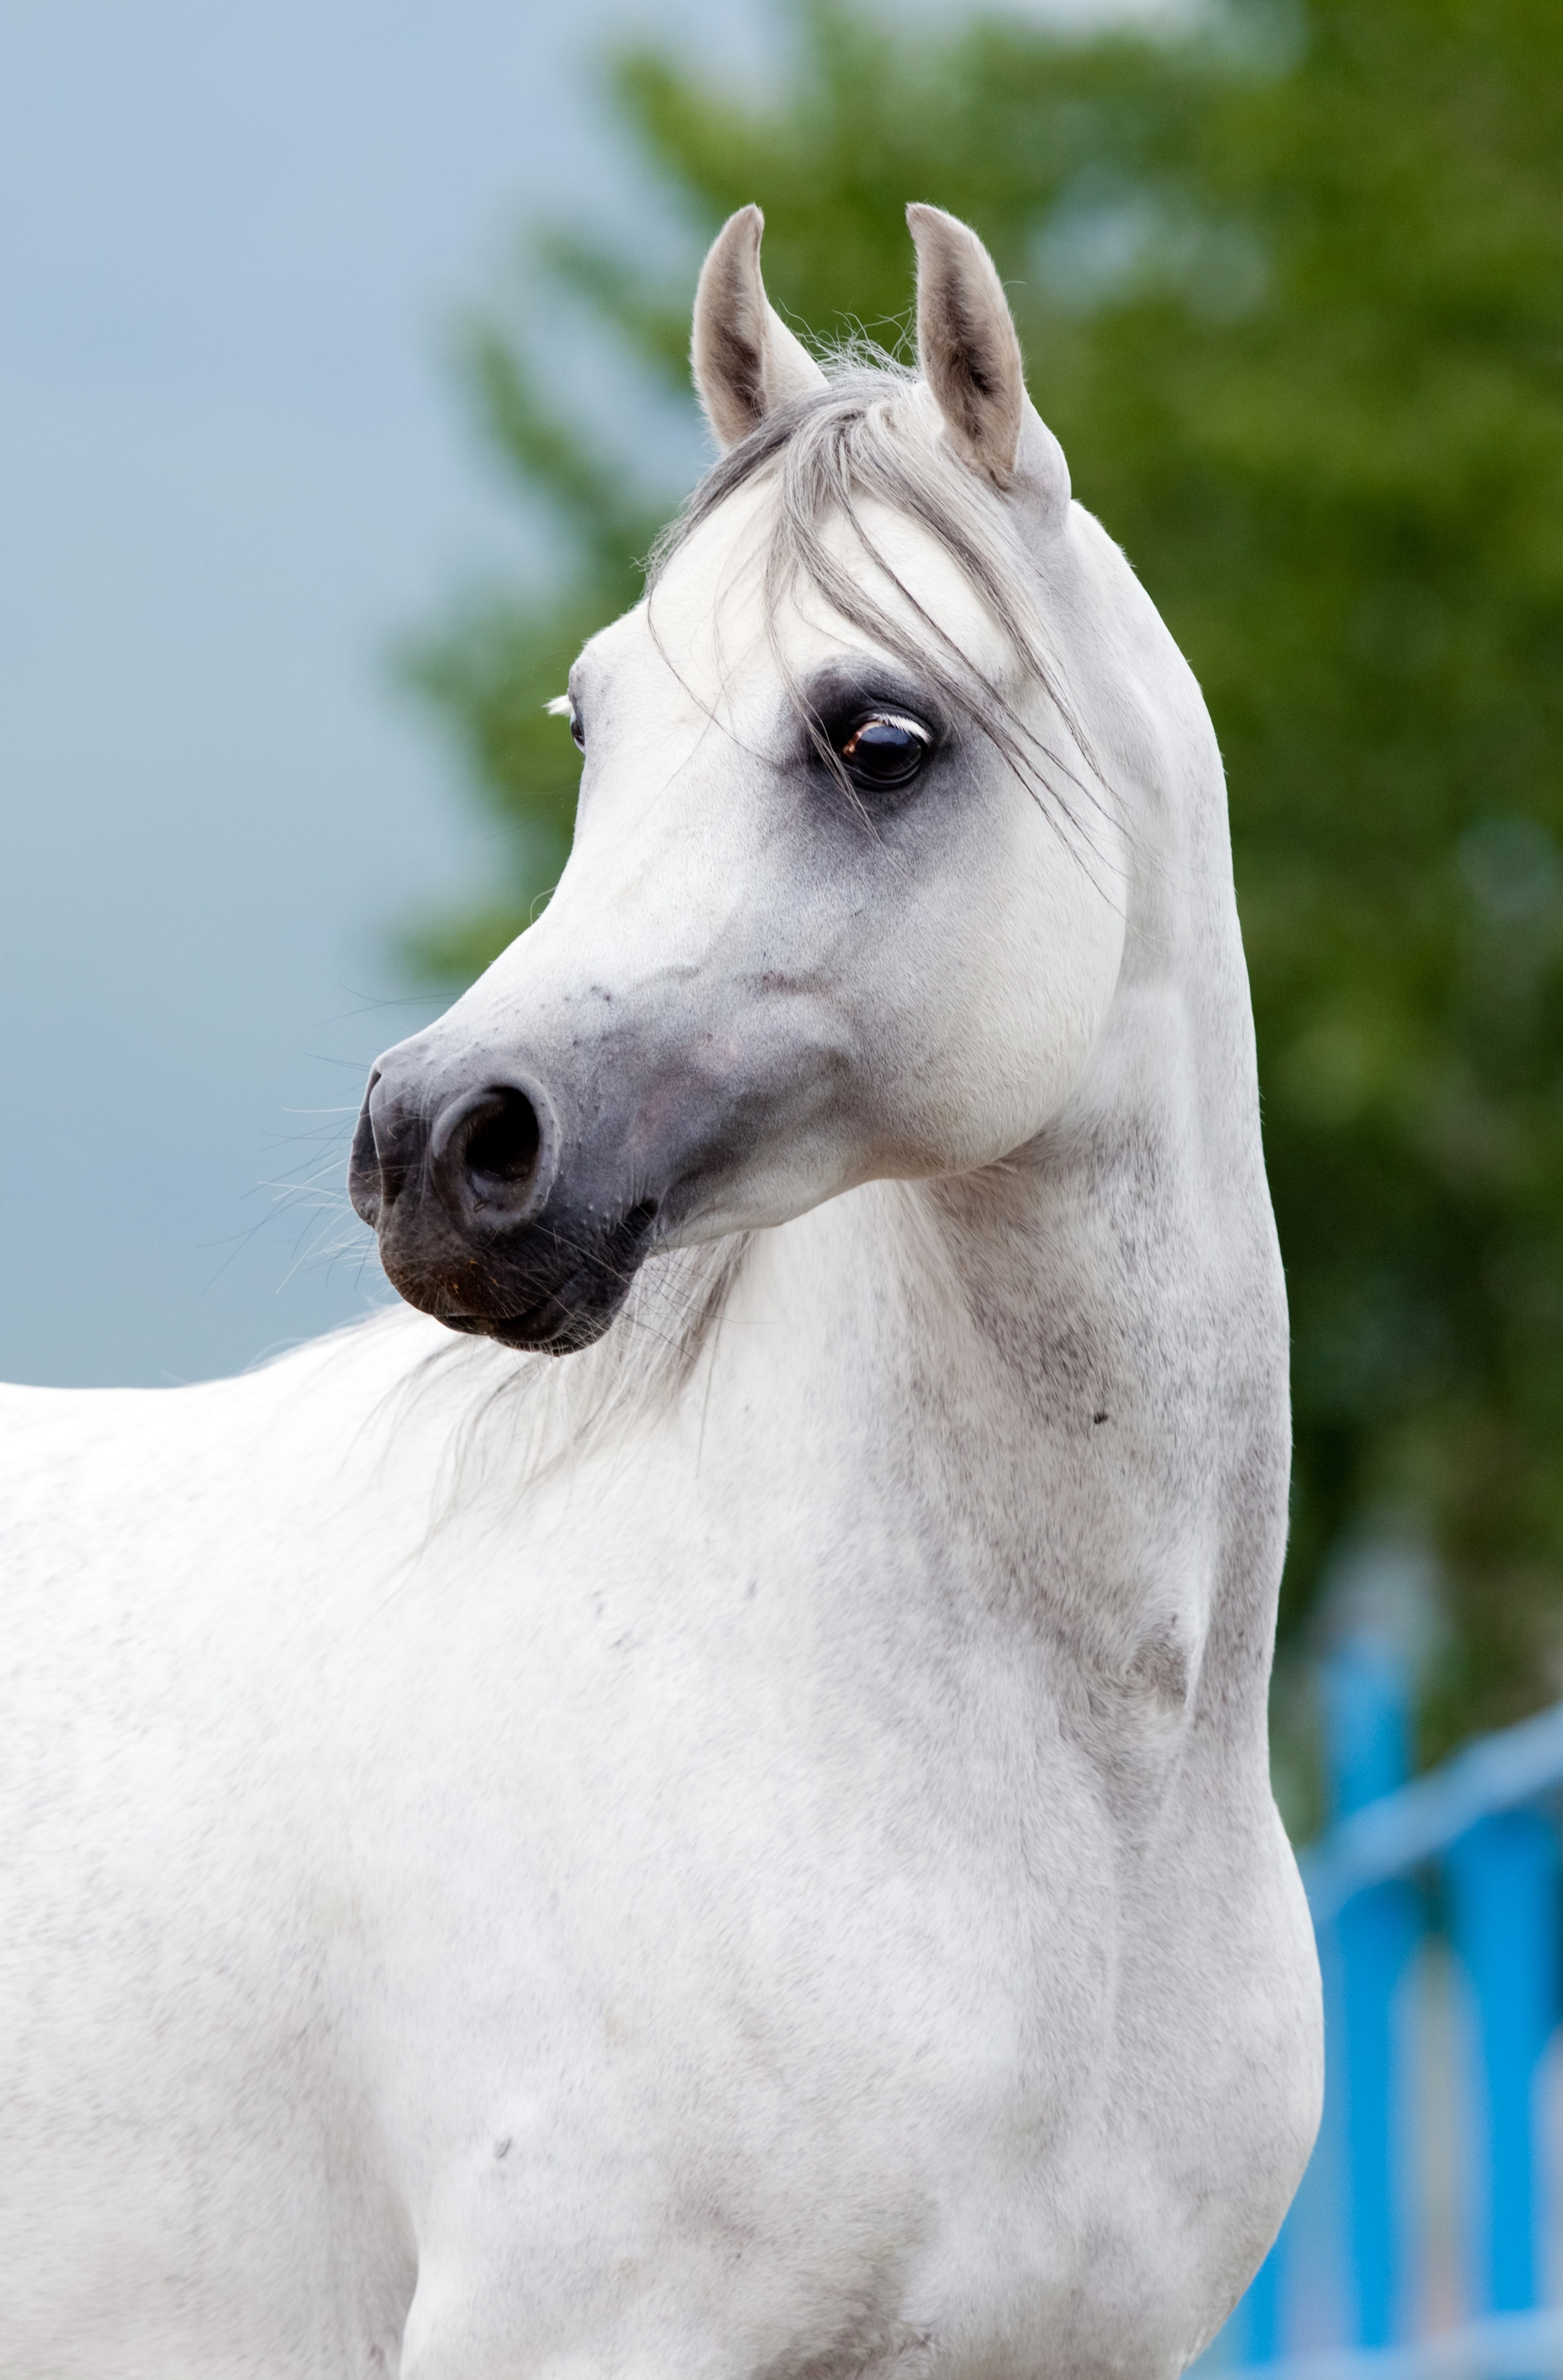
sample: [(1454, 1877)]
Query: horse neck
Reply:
[(1074, 1363)]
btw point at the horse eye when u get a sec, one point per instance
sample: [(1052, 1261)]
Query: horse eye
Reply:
[(578, 733), (885, 749)]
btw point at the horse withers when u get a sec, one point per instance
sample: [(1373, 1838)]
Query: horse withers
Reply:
[(700, 1805)]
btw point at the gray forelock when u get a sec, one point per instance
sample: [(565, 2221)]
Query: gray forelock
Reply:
[(872, 435)]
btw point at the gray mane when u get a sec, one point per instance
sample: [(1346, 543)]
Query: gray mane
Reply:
[(514, 1417)]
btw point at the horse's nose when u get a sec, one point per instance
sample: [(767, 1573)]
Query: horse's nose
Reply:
[(489, 1153)]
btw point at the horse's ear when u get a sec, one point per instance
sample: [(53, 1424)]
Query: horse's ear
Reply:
[(746, 361), (967, 343)]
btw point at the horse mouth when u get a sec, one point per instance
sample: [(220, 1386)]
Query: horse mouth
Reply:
[(552, 1327), (555, 1317)]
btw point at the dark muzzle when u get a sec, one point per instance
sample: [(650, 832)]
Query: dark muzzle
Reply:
[(476, 1221)]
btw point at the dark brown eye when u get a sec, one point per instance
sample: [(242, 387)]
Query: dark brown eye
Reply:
[(885, 749), (578, 733)]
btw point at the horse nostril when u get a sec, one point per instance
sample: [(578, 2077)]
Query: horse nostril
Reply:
[(486, 1152), (503, 1152)]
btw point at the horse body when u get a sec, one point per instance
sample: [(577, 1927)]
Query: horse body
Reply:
[(765, 1869)]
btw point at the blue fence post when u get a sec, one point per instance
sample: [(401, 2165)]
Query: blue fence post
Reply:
[(1504, 1887), (1367, 1715)]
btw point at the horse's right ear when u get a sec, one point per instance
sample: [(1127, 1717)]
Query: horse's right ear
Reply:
[(746, 362)]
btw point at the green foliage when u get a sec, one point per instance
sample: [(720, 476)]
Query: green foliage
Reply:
[(1292, 293)]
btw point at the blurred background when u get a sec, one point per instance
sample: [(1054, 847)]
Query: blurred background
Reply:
[(343, 383), (234, 471)]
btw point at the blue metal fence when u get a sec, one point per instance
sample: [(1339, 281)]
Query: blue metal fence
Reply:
[(1438, 1899)]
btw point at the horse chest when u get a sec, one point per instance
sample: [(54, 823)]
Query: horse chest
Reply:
[(796, 1978)]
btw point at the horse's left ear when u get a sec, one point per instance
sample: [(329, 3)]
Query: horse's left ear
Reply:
[(971, 360)]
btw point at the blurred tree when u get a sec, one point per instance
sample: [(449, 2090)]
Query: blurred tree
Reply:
[(1291, 290)]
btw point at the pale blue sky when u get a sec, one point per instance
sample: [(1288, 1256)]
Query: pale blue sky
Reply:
[(231, 468)]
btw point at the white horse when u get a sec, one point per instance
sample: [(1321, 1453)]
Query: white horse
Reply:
[(748, 1851)]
